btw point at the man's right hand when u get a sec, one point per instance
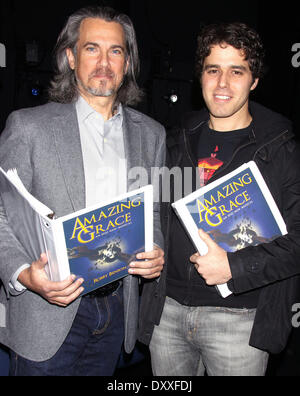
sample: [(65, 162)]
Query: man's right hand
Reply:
[(62, 293)]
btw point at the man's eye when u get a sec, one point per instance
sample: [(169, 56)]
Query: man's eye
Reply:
[(212, 71), (116, 51), (237, 73)]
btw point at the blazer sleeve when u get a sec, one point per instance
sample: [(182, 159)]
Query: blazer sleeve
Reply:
[(14, 153)]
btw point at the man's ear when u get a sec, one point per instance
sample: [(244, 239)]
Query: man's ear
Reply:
[(255, 84), (71, 58)]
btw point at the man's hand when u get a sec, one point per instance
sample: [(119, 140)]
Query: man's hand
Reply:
[(214, 267), (151, 266), (57, 293)]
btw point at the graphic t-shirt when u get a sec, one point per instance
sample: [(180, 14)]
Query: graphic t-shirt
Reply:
[(215, 149)]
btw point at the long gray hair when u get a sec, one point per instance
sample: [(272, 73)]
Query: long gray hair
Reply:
[(64, 87)]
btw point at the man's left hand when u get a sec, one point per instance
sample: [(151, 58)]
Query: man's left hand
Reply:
[(214, 266), (150, 266)]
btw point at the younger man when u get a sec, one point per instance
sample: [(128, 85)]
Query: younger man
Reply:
[(198, 329)]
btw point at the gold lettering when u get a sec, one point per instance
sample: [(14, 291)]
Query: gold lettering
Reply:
[(85, 231), (136, 202), (102, 214), (220, 195), (79, 226), (202, 208), (211, 213), (248, 180)]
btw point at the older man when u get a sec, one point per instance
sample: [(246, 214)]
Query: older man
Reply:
[(62, 152)]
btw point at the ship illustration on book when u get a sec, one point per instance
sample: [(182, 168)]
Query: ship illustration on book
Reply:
[(242, 236), (103, 255)]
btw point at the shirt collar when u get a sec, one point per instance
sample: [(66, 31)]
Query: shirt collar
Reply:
[(84, 111)]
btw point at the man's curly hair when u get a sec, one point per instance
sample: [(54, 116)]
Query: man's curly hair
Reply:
[(237, 35)]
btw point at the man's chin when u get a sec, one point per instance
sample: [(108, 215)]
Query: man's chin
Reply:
[(221, 115), (103, 93), (100, 92), (106, 94)]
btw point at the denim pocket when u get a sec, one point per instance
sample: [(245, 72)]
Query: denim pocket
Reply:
[(13, 369), (239, 311), (118, 294)]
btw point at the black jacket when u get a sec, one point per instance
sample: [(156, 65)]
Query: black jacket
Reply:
[(272, 267)]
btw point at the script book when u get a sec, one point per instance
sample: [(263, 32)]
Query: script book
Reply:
[(96, 243), (237, 211)]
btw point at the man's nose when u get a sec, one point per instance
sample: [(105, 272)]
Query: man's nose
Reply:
[(223, 80), (103, 59)]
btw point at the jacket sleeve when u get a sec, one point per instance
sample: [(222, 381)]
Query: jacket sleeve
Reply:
[(258, 266), (14, 153)]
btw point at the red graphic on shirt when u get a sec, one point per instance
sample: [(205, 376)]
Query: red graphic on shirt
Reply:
[(208, 166)]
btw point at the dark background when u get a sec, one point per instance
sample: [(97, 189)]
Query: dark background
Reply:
[(167, 32)]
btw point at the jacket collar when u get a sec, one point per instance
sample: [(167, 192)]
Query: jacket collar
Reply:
[(270, 129), (266, 118)]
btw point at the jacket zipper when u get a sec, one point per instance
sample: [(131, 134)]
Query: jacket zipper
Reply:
[(169, 221), (190, 268)]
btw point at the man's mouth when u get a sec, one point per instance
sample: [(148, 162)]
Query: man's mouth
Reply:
[(222, 97), (102, 76), (108, 75)]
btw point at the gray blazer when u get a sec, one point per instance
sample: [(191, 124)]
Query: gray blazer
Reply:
[(43, 143)]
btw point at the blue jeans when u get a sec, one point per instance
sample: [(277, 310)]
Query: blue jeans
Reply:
[(4, 362), (92, 347), (192, 340)]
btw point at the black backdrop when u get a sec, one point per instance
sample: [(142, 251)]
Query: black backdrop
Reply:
[(167, 32)]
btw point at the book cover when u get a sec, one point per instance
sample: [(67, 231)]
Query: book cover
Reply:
[(96, 243), (237, 211), (102, 243)]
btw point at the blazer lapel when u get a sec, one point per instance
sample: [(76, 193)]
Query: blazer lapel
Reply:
[(133, 147), (68, 146)]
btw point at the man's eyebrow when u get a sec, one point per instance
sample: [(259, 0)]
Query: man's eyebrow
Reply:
[(239, 67), (90, 43), (211, 66), (118, 46)]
